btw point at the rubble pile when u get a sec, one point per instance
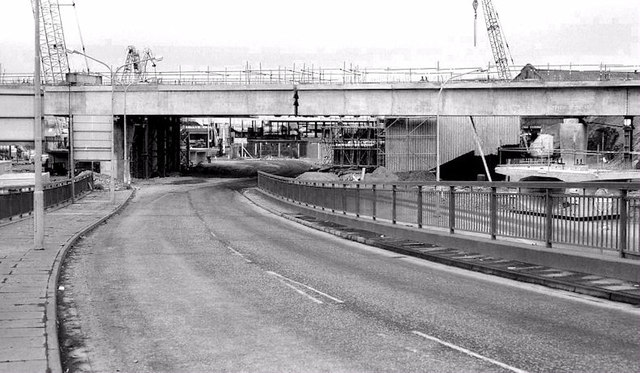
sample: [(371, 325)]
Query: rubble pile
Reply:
[(103, 182), (318, 176), (381, 174)]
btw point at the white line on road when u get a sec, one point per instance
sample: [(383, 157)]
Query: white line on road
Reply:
[(306, 286), (301, 292), (468, 352), (238, 254)]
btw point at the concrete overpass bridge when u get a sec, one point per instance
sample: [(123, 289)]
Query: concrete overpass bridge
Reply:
[(561, 99), (523, 98)]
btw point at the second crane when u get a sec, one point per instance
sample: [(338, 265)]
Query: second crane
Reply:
[(499, 46)]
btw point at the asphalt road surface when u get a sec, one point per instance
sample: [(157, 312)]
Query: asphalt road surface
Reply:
[(192, 277)]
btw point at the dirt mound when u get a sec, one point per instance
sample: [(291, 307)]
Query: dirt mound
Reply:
[(318, 176), (416, 176), (250, 168), (381, 174), (103, 182)]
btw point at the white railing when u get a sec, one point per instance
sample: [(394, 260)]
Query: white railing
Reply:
[(348, 74)]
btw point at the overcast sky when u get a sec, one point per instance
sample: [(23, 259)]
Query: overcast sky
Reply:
[(401, 33)]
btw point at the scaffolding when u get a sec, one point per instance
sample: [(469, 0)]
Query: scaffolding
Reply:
[(352, 142), (409, 143)]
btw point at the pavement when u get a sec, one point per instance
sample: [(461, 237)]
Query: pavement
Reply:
[(605, 287), (28, 280)]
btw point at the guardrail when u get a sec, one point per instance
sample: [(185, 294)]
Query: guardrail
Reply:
[(348, 74), (16, 202), (604, 216)]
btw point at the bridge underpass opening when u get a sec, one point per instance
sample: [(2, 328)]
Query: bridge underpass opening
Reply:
[(153, 145)]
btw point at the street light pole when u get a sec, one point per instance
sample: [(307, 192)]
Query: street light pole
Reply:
[(438, 116), (126, 174), (38, 195), (113, 74)]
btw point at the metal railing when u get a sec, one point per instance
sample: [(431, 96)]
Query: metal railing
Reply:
[(604, 216), (348, 74), (16, 202)]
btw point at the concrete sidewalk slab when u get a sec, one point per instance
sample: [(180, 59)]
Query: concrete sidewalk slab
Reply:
[(514, 268), (28, 280)]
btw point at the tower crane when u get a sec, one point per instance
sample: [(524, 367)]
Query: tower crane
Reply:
[(497, 40), (53, 49)]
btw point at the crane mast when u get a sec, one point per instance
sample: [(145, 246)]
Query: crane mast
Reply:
[(497, 40), (53, 49)]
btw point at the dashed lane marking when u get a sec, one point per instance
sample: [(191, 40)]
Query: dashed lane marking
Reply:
[(468, 352), (301, 292), (291, 281), (236, 252)]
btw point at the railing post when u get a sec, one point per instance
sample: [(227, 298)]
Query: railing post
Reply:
[(333, 200), (373, 207), (344, 199), (357, 200), (419, 220), (493, 207), (548, 218), (393, 204), (323, 199), (312, 195), (623, 223), (452, 210)]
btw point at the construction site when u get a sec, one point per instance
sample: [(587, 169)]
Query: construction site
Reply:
[(439, 147)]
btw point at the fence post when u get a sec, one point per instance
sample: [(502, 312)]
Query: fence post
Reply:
[(493, 212), (623, 223), (357, 200), (373, 207), (323, 199), (452, 210), (333, 200), (419, 220), (548, 218), (393, 204), (344, 199), (313, 196)]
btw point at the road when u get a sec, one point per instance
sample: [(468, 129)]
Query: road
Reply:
[(193, 277)]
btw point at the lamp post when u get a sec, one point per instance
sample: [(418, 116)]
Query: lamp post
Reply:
[(38, 195), (113, 82), (126, 174), (478, 70)]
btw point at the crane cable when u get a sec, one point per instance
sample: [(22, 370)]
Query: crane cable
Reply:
[(86, 60)]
